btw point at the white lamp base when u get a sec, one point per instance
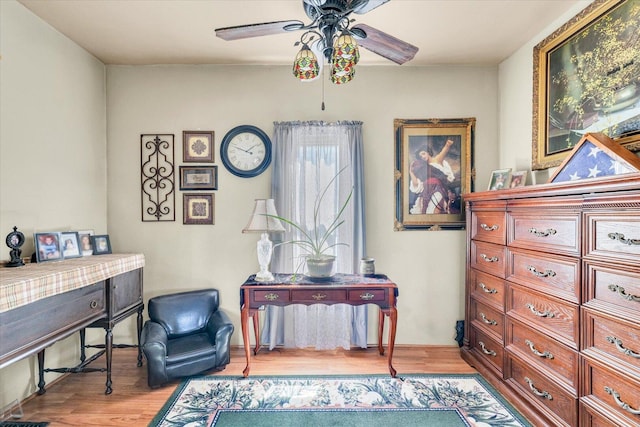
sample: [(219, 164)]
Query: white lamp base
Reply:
[(264, 276), (265, 250)]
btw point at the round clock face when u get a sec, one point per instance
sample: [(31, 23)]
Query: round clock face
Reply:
[(246, 151)]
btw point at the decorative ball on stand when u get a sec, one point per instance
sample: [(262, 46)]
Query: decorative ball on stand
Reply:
[(15, 240)]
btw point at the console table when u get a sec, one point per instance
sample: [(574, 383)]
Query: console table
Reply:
[(43, 303), (289, 289)]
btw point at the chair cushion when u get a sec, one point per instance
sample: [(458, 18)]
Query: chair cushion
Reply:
[(190, 348)]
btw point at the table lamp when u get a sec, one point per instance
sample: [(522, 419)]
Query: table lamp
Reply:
[(262, 221)]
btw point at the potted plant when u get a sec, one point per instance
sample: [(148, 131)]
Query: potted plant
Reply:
[(316, 242)]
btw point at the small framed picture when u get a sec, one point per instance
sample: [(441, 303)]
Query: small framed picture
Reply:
[(70, 244), (198, 177), (197, 208), (48, 246), (101, 244), (197, 146), (86, 248), (518, 179), (500, 179)]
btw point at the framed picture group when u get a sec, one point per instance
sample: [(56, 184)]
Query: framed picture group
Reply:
[(60, 245)]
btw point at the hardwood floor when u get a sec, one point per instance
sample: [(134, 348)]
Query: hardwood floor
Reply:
[(79, 399)]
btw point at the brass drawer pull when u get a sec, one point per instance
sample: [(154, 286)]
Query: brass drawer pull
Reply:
[(621, 291), (93, 304), (620, 238), (487, 290), (545, 233), (623, 405), (271, 297), (485, 351), (485, 227), (367, 296), (488, 321), (492, 259), (621, 349), (547, 273), (543, 394), (536, 352), (319, 296), (546, 314)]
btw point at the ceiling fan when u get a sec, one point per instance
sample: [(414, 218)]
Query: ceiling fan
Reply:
[(330, 22)]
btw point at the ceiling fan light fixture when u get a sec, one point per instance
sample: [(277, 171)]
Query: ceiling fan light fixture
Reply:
[(305, 65), (340, 77), (345, 51)]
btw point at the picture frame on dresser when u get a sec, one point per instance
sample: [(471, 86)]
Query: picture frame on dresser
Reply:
[(70, 244), (85, 242), (433, 168), (48, 246), (500, 179), (101, 244), (585, 79)]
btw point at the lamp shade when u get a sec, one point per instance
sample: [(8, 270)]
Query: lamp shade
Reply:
[(305, 66), (261, 221)]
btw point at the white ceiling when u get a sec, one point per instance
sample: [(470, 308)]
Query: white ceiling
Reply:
[(182, 31)]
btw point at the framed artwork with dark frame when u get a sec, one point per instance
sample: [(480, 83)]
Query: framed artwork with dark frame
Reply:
[(198, 177), (197, 208), (433, 169), (101, 244), (70, 244), (586, 79), (86, 247), (48, 246), (197, 146)]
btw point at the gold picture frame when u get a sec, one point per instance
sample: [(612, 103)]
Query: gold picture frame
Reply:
[(586, 78), (432, 157)]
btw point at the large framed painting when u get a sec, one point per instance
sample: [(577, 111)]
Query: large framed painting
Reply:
[(433, 169), (587, 80)]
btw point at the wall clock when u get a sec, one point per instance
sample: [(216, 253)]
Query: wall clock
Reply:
[(246, 151)]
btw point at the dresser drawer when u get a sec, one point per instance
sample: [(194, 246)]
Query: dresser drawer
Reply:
[(539, 349), (488, 289), (610, 388), (319, 295), (489, 258), (489, 350), (614, 236), (556, 232), (554, 275), (539, 389), (489, 226), (556, 318), (608, 337), (488, 319), (594, 417), (370, 295), (608, 288), (270, 297)]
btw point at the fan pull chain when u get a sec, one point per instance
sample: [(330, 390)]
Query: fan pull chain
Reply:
[(322, 78)]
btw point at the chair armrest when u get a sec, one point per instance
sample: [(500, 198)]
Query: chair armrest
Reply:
[(154, 346), (221, 328)]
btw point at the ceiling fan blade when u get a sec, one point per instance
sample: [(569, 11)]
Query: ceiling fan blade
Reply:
[(368, 5), (384, 44), (257, 30)]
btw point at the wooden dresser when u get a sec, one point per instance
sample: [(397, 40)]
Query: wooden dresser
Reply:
[(553, 299)]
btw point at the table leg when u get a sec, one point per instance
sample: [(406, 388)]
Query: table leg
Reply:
[(139, 325), (244, 319), (393, 320), (108, 352), (41, 389), (380, 330), (256, 328)]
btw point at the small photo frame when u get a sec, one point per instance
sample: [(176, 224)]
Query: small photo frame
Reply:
[(518, 179), (101, 244), (198, 177), (500, 179), (48, 247), (70, 244), (197, 208), (197, 146), (86, 247)]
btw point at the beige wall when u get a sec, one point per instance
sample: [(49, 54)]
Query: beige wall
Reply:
[(53, 173)]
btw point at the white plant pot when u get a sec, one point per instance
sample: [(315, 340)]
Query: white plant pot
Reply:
[(321, 266)]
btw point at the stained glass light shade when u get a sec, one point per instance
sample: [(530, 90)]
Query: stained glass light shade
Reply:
[(345, 56), (305, 66)]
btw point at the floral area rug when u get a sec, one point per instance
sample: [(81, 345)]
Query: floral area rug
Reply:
[(371, 400)]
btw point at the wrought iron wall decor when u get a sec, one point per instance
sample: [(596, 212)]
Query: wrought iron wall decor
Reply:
[(157, 174)]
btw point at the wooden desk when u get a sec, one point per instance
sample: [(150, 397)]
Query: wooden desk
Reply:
[(349, 289)]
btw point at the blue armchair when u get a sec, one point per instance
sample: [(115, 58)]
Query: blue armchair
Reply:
[(186, 334)]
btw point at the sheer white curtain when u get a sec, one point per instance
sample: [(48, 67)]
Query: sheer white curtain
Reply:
[(307, 155)]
